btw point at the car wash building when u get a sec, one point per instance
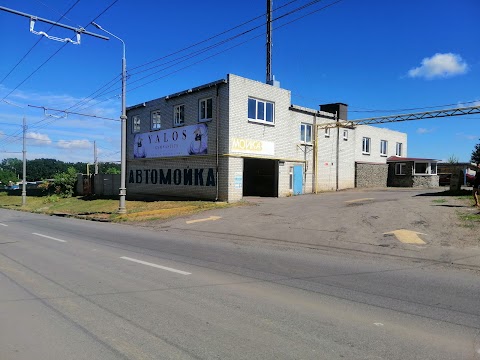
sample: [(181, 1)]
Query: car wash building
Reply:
[(237, 137)]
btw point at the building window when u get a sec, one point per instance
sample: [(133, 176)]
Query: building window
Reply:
[(262, 111), (366, 145), (306, 133), (156, 120), (327, 132), (205, 110), (179, 115), (400, 168), (135, 124), (345, 134), (383, 147), (290, 177), (425, 168), (399, 149)]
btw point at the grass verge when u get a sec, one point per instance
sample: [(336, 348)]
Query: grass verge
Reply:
[(106, 209)]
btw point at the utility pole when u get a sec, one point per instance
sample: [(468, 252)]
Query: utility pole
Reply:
[(24, 152), (95, 157), (269, 42)]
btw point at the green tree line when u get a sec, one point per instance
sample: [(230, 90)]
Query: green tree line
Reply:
[(11, 169)]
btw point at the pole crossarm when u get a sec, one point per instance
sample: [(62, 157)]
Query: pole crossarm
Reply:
[(470, 110), (33, 18)]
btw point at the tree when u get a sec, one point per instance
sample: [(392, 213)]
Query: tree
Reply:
[(12, 164), (65, 182), (476, 155), (6, 176)]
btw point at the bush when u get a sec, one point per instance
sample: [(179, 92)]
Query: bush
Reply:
[(64, 183)]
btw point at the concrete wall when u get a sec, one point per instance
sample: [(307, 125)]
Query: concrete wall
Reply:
[(371, 175)]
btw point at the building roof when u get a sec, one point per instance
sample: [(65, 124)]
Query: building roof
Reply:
[(403, 159)]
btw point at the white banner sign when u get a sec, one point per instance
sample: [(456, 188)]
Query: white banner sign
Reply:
[(180, 141), (249, 146)]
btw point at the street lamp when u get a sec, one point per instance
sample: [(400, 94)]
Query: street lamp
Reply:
[(123, 189)]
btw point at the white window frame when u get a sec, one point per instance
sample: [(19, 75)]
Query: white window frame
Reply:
[(155, 120), (366, 145), (327, 132), (203, 113), (399, 149), (383, 147), (306, 126), (400, 168), (258, 119), (345, 134), (428, 170), (136, 124), (179, 115)]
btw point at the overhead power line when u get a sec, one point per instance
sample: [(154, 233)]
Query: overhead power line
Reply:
[(38, 41)]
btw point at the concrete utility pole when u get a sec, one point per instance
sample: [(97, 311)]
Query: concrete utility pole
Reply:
[(24, 152), (122, 209), (95, 157)]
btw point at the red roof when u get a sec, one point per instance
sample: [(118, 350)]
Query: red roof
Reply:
[(398, 158)]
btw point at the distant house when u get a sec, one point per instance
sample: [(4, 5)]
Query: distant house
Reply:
[(412, 172)]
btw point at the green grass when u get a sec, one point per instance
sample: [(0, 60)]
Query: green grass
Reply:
[(106, 209), (439, 201)]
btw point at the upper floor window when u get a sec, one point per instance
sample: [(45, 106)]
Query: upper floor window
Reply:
[(259, 110), (135, 123), (155, 120), (366, 145), (345, 134), (383, 147), (205, 109), (306, 133), (399, 149), (179, 115), (327, 132)]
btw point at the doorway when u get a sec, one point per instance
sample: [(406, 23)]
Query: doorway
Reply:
[(260, 177)]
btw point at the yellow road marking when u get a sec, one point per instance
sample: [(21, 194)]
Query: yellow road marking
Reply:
[(358, 200), (211, 218), (407, 236)]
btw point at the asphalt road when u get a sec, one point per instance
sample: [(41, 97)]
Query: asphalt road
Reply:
[(72, 289)]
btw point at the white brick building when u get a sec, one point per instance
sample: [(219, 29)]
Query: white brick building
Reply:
[(239, 137)]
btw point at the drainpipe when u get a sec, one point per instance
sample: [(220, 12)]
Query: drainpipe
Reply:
[(338, 152), (315, 157), (217, 120)]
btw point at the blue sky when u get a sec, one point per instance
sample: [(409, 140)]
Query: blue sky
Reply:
[(380, 57)]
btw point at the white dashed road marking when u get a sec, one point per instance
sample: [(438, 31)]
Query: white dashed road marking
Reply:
[(156, 266), (49, 237)]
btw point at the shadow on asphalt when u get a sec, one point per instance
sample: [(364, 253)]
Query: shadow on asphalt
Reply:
[(462, 192)]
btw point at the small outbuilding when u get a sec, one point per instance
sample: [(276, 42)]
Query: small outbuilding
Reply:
[(412, 172)]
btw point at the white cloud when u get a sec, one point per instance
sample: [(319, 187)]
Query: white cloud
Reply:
[(35, 138), (440, 66), (424, 131), (74, 144)]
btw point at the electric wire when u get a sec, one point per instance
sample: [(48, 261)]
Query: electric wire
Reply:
[(29, 51)]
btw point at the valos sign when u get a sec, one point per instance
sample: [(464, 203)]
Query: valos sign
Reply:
[(180, 141), (249, 146)]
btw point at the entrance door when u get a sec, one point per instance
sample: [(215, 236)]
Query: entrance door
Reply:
[(260, 177), (298, 179)]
